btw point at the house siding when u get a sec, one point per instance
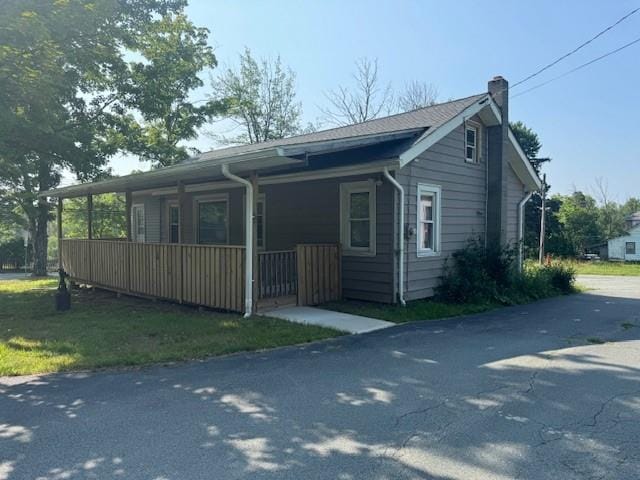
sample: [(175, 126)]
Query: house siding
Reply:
[(463, 206), (309, 212), (515, 193), (617, 246)]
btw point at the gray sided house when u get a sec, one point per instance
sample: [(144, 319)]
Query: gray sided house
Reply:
[(369, 211)]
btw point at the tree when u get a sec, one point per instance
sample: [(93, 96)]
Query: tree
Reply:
[(530, 143), (260, 98), (578, 215), (610, 216), (417, 95), (68, 92), (365, 100), (174, 52)]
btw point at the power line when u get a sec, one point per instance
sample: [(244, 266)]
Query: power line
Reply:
[(579, 47), (579, 67)]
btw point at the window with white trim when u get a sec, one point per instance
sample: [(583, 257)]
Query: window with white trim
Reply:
[(471, 143), (137, 223), (358, 218), (212, 215), (630, 248), (174, 222), (428, 238)]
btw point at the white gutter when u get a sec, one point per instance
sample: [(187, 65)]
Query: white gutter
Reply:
[(248, 249), (400, 190), (521, 206)]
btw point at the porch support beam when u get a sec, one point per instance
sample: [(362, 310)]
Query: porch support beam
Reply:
[(59, 220), (254, 241), (128, 205), (248, 241), (90, 217)]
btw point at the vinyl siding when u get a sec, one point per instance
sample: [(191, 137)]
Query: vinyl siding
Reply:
[(515, 193), (309, 212), (463, 206)]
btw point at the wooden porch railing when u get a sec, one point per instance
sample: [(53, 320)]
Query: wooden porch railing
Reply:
[(318, 273), (277, 274), (208, 275)]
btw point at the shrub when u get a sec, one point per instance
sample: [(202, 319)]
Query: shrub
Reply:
[(482, 274), (562, 277)]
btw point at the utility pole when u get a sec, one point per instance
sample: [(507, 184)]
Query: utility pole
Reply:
[(543, 210)]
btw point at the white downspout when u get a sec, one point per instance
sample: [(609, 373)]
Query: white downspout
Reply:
[(521, 206), (248, 249), (400, 190)]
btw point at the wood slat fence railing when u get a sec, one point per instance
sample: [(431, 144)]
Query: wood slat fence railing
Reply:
[(318, 273), (208, 275), (277, 274)]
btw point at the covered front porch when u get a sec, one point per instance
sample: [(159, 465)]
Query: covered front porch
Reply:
[(205, 275)]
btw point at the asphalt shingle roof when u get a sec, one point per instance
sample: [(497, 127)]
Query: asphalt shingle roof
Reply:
[(427, 117)]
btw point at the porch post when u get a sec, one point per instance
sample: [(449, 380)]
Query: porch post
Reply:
[(128, 202), (90, 217), (59, 219)]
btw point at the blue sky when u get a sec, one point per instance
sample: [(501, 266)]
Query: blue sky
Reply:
[(585, 120)]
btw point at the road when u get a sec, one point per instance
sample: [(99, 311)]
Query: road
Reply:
[(522, 392)]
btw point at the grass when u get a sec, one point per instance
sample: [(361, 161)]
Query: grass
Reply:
[(102, 330), (605, 268), (416, 310)]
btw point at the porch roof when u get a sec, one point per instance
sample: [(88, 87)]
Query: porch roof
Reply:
[(282, 153)]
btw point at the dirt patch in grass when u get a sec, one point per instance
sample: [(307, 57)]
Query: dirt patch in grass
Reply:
[(102, 330)]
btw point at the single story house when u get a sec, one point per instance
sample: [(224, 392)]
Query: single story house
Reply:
[(626, 247), (368, 211)]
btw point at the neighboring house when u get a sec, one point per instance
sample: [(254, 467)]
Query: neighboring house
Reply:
[(632, 220), (627, 247), (369, 211)]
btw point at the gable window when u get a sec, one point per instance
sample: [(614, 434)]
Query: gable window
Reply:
[(212, 214), (174, 223), (358, 218), (471, 142), (630, 248), (428, 237)]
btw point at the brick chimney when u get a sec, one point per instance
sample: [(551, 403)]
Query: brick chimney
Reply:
[(498, 139)]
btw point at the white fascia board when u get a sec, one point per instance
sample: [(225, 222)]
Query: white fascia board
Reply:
[(442, 131), (351, 170), (534, 180)]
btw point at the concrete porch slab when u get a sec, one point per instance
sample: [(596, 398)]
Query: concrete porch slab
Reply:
[(327, 318)]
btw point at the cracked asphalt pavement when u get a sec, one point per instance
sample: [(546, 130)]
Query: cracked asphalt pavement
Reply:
[(543, 391)]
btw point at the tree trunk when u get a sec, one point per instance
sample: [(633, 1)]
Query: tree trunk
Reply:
[(41, 239)]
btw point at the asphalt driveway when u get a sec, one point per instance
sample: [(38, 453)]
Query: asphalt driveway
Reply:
[(524, 392)]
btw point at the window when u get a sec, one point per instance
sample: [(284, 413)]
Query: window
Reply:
[(260, 226), (358, 218), (471, 141), (213, 220), (174, 223), (428, 237), (260, 214), (137, 223), (630, 248)]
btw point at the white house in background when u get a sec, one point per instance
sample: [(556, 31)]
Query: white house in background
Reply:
[(627, 247)]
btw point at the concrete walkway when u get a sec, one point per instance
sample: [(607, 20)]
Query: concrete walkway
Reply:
[(327, 318)]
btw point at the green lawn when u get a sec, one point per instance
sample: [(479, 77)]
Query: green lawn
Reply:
[(606, 268), (416, 310), (102, 330)]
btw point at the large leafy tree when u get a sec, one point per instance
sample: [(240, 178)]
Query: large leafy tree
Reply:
[(578, 215), (173, 52), (259, 97), (70, 97)]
